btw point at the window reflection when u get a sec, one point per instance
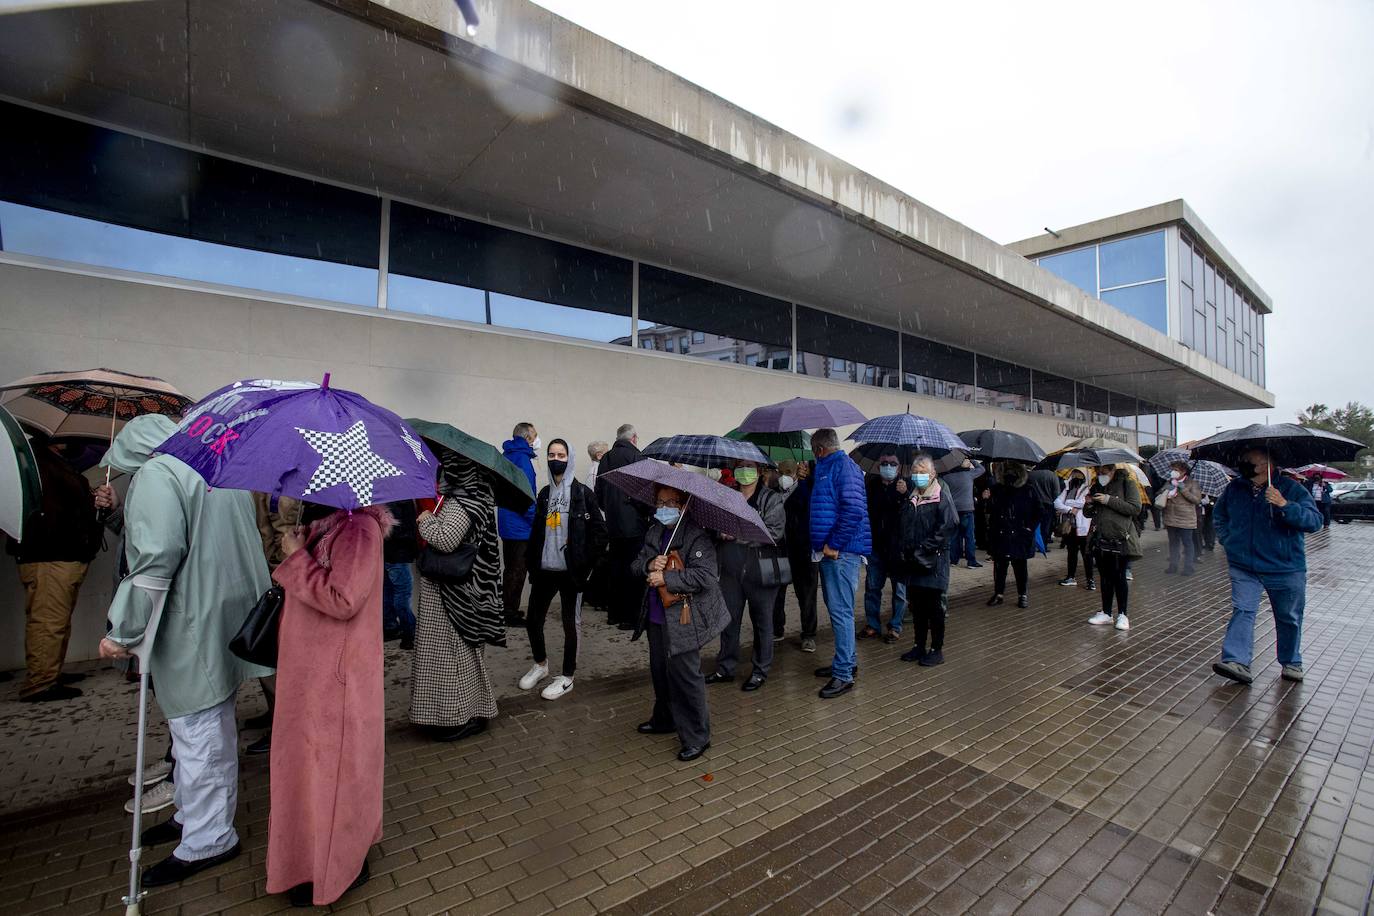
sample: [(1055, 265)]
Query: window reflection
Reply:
[(1131, 260), (1078, 267), (843, 349), (1003, 385), (724, 323), (1147, 302), (936, 370)]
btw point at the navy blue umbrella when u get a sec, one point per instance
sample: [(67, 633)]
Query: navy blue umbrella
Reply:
[(705, 451), (918, 433)]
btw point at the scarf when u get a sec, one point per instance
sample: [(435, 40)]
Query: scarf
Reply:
[(474, 605), (932, 494)]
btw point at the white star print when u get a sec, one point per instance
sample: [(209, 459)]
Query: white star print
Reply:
[(347, 457), (415, 446)]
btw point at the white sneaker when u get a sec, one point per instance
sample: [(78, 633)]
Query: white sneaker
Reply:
[(153, 773), (536, 674), (1099, 619), (1130, 577), (557, 687), (155, 799), (1122, 623)]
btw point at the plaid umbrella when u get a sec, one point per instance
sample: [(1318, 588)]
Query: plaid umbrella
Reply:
[(1160, 461), (793, 446), (1212, 477), (709, 505), (704, 451), (921, 433), (800, 413)]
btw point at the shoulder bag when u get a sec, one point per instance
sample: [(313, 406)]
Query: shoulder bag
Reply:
[(669, 599), (256, 640)]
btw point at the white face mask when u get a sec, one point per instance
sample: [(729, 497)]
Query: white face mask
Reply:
[(786, 482), (1104, 479), (1175, 475), (537, 444)]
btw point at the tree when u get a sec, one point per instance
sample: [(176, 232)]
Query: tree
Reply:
[(1354, 421), (1317, 416)]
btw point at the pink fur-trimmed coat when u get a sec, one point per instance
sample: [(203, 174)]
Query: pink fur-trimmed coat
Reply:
[(328, 743)]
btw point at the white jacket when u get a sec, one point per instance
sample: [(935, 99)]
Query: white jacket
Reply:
[(1071, 503)]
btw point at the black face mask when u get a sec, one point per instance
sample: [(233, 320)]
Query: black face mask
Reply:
[(1247, 469), (556, 467)]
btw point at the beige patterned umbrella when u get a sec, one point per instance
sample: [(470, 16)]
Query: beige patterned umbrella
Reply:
[(90, 403)]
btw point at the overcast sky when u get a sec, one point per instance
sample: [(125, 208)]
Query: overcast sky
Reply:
[(1010, 117)]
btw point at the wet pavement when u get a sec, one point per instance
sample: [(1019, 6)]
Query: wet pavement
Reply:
[(1047, 767)]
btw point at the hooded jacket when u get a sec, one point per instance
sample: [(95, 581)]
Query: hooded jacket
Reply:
[(206, 541), (1261, 538), (1013, 515), (839, 506), (512, 525), (582, 526)]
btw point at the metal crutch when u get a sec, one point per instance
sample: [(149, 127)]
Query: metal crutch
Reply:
[(156, 587)]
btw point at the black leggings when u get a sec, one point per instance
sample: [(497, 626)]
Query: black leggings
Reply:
[(928, 612), (999, 575), (542, 589), (1077, 543), (1112, 573)]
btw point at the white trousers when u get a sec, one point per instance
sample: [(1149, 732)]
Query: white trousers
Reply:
[(206, 747)]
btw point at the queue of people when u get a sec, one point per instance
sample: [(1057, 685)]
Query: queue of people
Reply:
[(346, 578)]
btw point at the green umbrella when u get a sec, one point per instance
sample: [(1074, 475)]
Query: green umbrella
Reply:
[(508, 482), (792, 446), (21, 489)]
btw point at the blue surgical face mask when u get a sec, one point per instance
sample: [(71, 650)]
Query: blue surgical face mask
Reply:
[(922, 481), (668, 515), (887, 472)]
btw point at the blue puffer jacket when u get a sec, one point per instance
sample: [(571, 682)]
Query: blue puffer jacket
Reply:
[(1260, 538), (515, 526), (839, 506)]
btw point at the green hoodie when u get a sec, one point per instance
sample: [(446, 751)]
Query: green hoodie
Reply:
[(206, 541)]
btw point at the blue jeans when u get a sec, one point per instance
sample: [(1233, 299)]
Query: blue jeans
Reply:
[(962, 544), (839, 581), (396, 612), (1287, 596), (873, 597)]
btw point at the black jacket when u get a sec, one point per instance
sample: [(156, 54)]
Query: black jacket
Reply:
[(65, 529), (402, 545), (586, 532), (925, 533), (625, 518), (885, 516), (1047, 486), (797, 530), (1013, 516)]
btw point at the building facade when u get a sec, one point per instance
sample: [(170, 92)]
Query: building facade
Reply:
[(528, 224)]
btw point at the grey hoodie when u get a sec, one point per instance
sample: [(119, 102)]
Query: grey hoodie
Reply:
[(553, 558)]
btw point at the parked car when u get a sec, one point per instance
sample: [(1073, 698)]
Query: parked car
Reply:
[(1345, 486), (1353, 504)]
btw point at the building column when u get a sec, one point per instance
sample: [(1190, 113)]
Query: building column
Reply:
[(634, 304), (384, 253)]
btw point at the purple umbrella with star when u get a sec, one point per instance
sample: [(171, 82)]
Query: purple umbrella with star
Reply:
[(319, 444)]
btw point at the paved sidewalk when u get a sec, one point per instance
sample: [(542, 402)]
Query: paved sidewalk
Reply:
[(1048, 767)]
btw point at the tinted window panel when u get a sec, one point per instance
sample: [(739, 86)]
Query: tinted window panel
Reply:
[(1002, 384), (1078, 267), (1131, 260), (1147, 302), (843, 349), (1053, 395), (726, 324)]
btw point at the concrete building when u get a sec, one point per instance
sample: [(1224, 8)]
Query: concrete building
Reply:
[(512, 226)]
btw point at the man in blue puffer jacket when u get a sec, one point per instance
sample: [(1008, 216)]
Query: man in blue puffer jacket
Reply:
[(1262, 520), (841, 536), (514, 527)]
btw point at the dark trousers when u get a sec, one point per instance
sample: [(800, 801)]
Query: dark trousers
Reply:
[(1047, 516), (679, 690), (512, 575), (761, 600), (1208, 531), (999, 575), (626, 589), (1157, 514), (542, 589), (962, 546), (1111, 577), (396, 592), (1079, 543), (928, 612), (1181, 541), (805, 582), (1326, 518)]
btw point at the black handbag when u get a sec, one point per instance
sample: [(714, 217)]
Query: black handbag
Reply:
[(452, 567), (256, 640), (1112, 547), (774, 567)]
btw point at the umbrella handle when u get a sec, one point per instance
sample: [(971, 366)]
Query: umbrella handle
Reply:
[(114, 418), (679, 521)]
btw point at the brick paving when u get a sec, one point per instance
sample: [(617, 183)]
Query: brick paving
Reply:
[(1048, 767)]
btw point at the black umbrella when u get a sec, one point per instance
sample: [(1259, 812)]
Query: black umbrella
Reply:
[(1001, 445), (1289, 445), (1088, 458)]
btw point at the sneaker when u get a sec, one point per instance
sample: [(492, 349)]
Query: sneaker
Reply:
[(155, 799), (1235, 671), (891, 635), (533, 676), (1292, 673), (1069, 580), (1091, 586), (557, 687), (1023, 601), (808, 644), (932, 659), (55, 693), (974, 564), (1170, 570), (152, 774), (1100, 619), (914, 655), (261, 746), (1122, 622), (1130, 576)]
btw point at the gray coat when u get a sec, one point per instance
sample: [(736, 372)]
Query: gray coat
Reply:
[(700, 581), (740, 559)]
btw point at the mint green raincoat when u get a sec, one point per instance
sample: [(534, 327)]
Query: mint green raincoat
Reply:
[(206, 541)]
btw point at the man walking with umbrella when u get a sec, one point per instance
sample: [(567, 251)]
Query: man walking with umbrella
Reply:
[(1261, 520), (840, 535)]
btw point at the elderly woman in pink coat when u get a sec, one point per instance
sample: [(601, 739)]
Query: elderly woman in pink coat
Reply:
[(327, 738)]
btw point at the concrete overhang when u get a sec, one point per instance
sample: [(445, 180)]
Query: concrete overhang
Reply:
[(542, 126), (1172, 213)]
